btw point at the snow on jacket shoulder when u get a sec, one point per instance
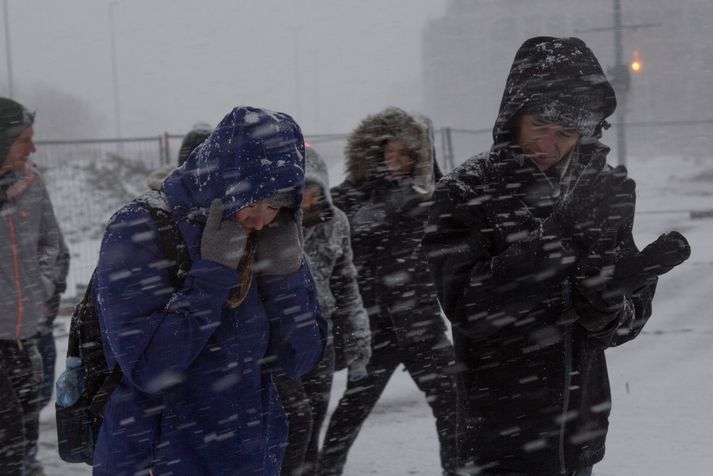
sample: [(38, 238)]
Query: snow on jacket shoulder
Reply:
[(197, 394)]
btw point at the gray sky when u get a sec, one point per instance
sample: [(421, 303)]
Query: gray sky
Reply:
[(183, 61)]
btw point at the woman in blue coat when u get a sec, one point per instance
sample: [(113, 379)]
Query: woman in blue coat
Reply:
[(197, 396)]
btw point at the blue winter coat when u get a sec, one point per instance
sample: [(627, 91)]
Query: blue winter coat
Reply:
[(197, 396)]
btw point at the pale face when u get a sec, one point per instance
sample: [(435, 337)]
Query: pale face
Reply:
[(19, 152), (397, 159), (545, 142), (255, 216), (310, 198)]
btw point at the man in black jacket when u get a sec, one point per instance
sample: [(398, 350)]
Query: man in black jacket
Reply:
[(531, 250), (390, 180)]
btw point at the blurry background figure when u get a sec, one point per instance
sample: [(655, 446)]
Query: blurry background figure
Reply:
[(191, 141), (29, 247), (390, 179), (329, 254)]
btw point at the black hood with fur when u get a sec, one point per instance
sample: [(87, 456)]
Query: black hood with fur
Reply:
[(365, 148), (558, 79)]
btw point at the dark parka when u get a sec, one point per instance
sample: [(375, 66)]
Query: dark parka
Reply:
[(387, 227), (534, 390), (387, 219)]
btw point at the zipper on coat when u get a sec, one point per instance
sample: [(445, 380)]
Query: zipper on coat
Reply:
[(566, 394)]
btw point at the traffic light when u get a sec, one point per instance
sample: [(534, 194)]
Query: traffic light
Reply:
[(636, 65)]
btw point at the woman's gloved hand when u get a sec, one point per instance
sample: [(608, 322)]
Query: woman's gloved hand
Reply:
[(223, 241), (280, 245)]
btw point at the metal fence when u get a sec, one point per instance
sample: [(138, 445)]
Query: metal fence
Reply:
[(89, 180)]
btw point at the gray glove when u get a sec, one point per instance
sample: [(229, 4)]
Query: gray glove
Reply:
[(280, 245), (357, 355), (223, 241)]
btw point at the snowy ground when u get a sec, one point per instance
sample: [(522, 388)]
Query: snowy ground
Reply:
[(662, 383)]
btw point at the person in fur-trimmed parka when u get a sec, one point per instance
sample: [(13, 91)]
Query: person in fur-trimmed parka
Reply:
[(390, 179), (329, 253), (532, 252)]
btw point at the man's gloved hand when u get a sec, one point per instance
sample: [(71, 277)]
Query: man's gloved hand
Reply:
[(659, 257), (223, 241), (596, 308), (280, 245), (598, 203), (596, 314), (47, 286), (405, 199), (368, 217)]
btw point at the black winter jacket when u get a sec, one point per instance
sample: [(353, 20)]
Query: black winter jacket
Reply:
[(534, 389), (387, 222)]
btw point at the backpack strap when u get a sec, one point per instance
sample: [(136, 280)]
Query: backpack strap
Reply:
[(75, 336), (98, 403), (172, 245)]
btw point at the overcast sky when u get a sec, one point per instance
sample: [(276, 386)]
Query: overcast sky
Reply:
[(327, 62)]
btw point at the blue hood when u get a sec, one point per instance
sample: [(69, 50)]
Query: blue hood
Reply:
[(251, 155)]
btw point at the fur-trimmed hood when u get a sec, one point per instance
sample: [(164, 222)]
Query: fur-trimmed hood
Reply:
[(366, 144)]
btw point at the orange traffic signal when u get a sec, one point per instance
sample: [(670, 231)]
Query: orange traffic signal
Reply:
[(636, 64)]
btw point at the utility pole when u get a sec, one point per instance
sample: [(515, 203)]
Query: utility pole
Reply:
[(8, 51), (623, 81), (298, 104), (114, 73), (620, 75)]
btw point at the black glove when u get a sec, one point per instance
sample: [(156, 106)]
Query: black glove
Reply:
[(404, 200), (596, 308), (621, 193), (280, 245), (368, 217), (602, 241), (659, 257), (223, 241), (598, 203)]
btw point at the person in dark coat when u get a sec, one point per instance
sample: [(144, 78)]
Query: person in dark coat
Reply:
[(531, 249), (390, 179), (197, 396), (329, 253)]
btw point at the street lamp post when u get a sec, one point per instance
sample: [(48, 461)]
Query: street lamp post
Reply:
[(297, 70), (623, 85), (8, 50), (114, 73)]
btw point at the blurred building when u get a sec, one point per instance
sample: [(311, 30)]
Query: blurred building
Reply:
[(468, 52)]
